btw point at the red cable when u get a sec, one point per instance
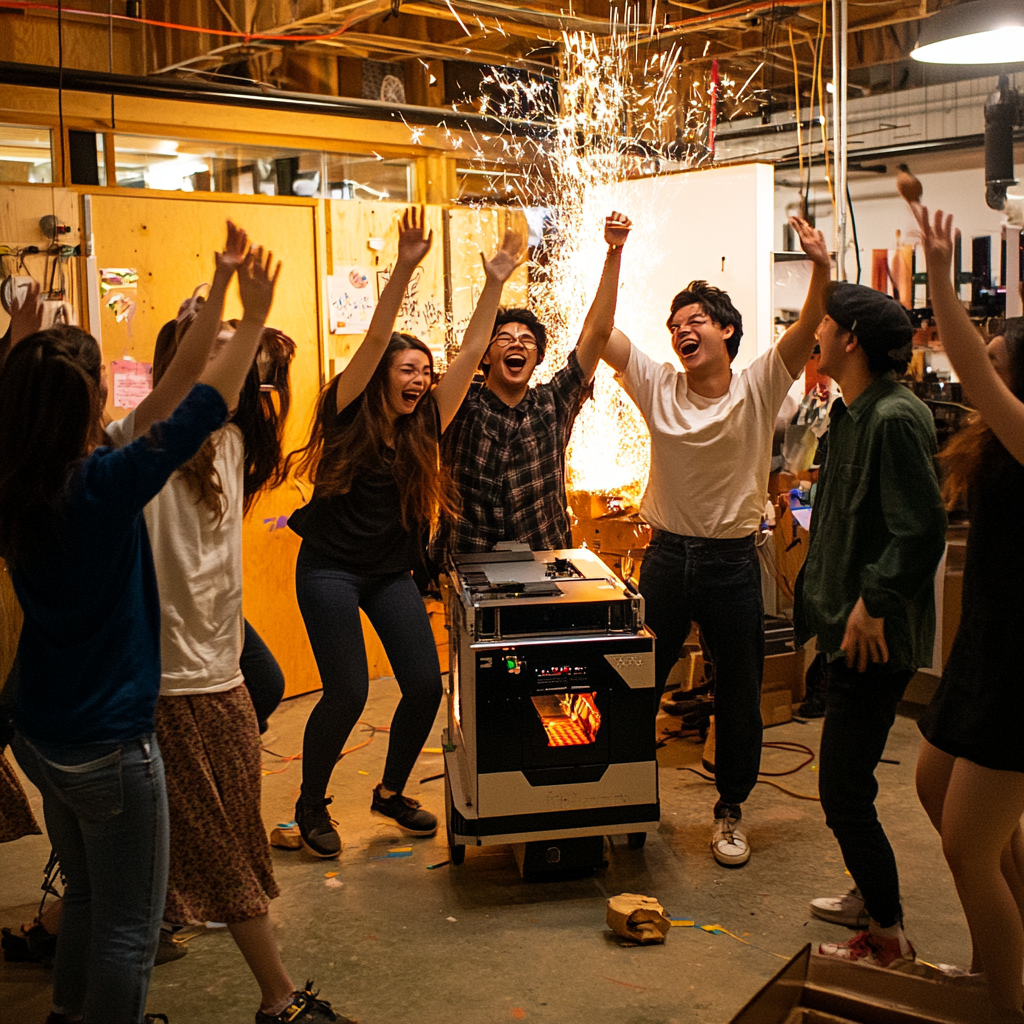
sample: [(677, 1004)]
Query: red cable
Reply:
[(29, 6)]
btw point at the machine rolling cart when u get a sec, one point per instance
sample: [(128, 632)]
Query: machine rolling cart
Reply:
[(550, 741)]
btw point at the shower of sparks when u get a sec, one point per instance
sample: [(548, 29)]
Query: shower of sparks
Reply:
[(621, 111)]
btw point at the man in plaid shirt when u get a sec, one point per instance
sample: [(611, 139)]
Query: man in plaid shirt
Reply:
[(506, 446)]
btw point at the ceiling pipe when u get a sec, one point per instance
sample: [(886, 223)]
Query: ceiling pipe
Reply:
[(260, 97)]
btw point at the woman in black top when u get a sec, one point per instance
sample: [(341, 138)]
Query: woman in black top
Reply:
[(970, 772), (379, 491)]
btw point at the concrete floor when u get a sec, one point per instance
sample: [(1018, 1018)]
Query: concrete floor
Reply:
[(395, 943)]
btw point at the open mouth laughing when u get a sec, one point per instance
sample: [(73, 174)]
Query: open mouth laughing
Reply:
[(688, 347), (515, 361)]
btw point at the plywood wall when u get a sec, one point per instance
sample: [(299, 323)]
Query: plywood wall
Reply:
[(472, 232), (352, 226)]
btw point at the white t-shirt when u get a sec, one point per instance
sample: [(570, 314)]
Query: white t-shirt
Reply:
[(710, 457), (199, 572)]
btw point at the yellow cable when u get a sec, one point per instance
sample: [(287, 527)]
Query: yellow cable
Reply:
[(796, 94)]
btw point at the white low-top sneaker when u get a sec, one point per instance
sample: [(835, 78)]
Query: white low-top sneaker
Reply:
[(848, 909), (729, 843)]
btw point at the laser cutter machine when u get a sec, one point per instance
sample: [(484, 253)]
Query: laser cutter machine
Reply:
[(550, 742)]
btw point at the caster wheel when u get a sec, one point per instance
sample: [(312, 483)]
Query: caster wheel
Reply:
[(636, 840), (456, 851)]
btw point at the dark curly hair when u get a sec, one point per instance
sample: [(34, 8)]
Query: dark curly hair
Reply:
[(527, 319), (717, 305)]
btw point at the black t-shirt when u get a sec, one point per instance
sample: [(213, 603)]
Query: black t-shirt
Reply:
[(362, 530)]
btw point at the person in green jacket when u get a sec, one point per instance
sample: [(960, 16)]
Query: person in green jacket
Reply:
[(866, 591)]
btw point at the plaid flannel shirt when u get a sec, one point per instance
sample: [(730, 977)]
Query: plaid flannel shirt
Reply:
[(508, 464)]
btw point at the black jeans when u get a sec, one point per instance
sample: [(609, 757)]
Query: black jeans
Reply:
[(262, 676), (717, 584), (330, 598), (860, 708)]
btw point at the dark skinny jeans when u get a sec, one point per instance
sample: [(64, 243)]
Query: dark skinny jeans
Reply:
[(262, 676), (717, 584), (330, 598), (860, 708)]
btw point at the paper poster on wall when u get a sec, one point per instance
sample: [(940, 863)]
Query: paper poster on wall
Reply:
[(419, 314), (118, 286), (350, 301), (118, 278), (132, 382)]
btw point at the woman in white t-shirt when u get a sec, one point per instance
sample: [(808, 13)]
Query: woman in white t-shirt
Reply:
[(220, 866)]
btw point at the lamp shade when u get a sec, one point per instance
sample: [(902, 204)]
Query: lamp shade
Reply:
[(981, 32)]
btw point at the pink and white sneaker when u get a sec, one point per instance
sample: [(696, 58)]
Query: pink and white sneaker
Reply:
[(892, 954)]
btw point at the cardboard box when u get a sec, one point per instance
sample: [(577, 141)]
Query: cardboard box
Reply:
[(776, 707), (820, 990), (785, 672)]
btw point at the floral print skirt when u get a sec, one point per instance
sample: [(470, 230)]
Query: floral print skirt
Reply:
[(220, 867)]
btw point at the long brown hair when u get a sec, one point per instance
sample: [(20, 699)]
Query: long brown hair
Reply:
[(967, 450), (261, 417), (51, 407), (200, 472), (335, 455)]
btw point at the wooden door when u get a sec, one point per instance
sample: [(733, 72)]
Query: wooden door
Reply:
[(170, 243)]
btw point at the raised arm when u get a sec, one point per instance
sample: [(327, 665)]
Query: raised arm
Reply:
[(966, 349), (257, 278), (194, 351), (616, 352), (452, 389), (412, 247), (600, 321), (797, 344)]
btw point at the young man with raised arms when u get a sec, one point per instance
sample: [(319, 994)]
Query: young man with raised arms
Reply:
[(711, 434), (506, 446)]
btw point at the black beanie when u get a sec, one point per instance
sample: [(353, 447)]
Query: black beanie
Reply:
[(881, 324)]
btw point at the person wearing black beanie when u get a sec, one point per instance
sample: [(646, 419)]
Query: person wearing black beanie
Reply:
[(878, 531)]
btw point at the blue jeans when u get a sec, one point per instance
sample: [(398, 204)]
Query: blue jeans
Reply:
[(106, 816), (860, 708), (717, 584), (330, 598)]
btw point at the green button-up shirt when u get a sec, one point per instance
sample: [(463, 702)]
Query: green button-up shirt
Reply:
[(878, 529)]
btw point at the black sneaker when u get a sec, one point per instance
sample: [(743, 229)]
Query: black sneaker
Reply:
[(304, 1006), (407, 813), (316, 827)]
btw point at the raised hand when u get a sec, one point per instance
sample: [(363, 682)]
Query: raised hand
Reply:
[(27, 313), (234, 252), (936, 240), (812, 241), (616, 229), (412, 245), (510, 255), (257, 278)]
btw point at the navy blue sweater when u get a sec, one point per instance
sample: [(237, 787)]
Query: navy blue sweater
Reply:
[(88, 664)]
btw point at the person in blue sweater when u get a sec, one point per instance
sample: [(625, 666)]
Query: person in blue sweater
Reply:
[(87, 671)]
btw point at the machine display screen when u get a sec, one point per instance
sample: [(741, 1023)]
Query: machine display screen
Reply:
[(569, 719)]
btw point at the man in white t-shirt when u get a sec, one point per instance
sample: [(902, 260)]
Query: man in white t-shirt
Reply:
[(711, 438)]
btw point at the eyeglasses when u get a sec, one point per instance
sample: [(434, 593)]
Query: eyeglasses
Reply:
[(504, 340)]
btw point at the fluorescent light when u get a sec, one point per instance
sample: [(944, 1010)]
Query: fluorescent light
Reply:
[(981, 32)]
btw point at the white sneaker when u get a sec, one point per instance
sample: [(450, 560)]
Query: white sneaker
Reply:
[(848, 909), (729, 844)]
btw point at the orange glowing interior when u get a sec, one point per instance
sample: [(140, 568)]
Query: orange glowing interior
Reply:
[(569, 719)]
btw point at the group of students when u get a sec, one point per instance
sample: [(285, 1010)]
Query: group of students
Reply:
[(124, 547)]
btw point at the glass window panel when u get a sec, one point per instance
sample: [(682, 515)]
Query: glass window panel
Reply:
[(368, 176), (193, 166), (26, 154)]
